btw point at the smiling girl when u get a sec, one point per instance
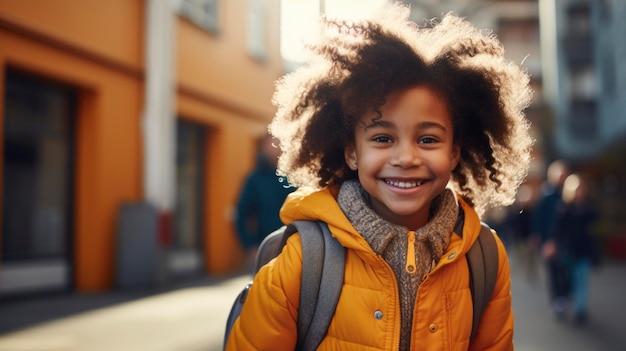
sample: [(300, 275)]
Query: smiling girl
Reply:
[(399, 138)]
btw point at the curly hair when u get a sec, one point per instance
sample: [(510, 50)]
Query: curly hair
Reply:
[(355, 66)]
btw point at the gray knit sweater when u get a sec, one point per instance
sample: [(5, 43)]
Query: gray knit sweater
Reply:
[(390, 241)]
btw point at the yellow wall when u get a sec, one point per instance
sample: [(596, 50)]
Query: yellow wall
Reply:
[(97, 47)]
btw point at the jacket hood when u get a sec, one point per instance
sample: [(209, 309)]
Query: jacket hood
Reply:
[(310, 204), (469, 230)]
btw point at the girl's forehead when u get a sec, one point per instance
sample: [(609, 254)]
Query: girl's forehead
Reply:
[(415, 100)]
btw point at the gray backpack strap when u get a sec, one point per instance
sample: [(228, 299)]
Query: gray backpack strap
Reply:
[(482, 260), (312, 261), (330, 289), (323, 261)]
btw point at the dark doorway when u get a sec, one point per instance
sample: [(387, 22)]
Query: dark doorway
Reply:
[(37, 187), (186, 253)]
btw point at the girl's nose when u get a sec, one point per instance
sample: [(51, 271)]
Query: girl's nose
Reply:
[(405, 155)]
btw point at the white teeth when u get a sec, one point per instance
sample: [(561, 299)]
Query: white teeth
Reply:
[(400, 184)]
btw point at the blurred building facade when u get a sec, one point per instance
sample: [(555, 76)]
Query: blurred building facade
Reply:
[(585, 76), (584, 64), (127, 117)]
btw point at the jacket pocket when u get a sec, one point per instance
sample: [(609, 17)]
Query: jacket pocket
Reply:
[(458, 318)]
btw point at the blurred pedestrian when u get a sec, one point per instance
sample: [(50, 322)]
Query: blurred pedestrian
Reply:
[(499, 219), (544, 215), (261, 198), (575, 246), (400, 137), (520, 222)]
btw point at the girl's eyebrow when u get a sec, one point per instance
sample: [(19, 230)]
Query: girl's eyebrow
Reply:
[(427, 125), (422, 125)]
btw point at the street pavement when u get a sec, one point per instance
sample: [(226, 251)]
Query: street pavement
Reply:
[(536, 329), (191, 317)]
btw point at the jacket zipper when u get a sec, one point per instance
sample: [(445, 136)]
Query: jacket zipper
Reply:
[(410, 254)]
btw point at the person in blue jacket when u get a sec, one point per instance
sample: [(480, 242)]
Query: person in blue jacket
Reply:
[(575, 246), (261, 198), (543, 223)]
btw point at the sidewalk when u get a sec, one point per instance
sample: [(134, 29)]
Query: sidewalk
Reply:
[(188, 317), (192, 317), (536, 328)]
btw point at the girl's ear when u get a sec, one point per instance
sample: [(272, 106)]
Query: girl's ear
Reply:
[(349, 153), (456, 156)]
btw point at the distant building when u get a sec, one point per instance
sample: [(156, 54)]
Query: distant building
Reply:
[(584, 63), (585, 74)]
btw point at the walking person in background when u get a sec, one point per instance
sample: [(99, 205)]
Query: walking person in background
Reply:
[(575, 246), (520, 220), (544, 216), (261, 198), (399, 138)]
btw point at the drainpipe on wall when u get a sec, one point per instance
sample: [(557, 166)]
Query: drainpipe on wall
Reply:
[(159, 122), (159, 125), (144, 227)]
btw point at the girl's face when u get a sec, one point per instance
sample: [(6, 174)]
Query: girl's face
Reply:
[(404, 159)]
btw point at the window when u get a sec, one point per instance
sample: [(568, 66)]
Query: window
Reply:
[(203, 13)]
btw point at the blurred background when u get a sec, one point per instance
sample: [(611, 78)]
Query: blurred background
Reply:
[(128, 127)]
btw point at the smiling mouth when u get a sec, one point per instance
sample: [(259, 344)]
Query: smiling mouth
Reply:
[(404, 184)]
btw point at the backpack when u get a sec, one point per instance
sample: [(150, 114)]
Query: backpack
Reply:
[(323, 260)]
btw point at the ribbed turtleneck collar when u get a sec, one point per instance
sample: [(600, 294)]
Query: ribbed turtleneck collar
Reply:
[(355, 203)]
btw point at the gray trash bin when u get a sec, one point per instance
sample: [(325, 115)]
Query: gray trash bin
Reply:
[(137, 246)]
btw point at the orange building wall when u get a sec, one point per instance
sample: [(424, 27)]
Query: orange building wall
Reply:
[(69, 41), (112, 29), (98, 47), (219, 64)]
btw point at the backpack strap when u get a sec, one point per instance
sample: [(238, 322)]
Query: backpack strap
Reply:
[(482, 259), (329, 289), (312, 261), (323, 261)]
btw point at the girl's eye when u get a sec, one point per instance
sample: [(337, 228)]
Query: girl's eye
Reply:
[(427, 140), (382, 139)]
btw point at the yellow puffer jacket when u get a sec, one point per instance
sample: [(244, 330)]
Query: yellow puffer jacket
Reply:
[(368, 312)]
